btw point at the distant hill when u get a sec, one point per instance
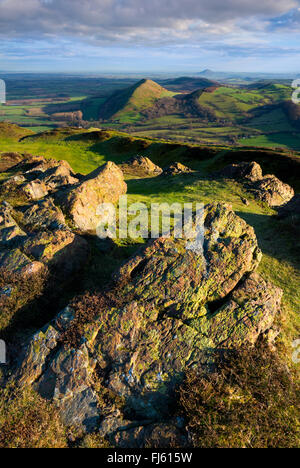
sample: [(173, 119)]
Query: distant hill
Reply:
[(214, 103), (186, 83), (206, 72), (255, 114), (126, 105)]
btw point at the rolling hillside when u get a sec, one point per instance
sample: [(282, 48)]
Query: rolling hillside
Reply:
[(147, 100), (259, 115), (126, 105), (188, 84)]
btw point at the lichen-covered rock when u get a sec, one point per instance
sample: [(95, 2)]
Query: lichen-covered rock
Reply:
[(60, 249), (165, 270), (43, 215), (272, 191), (14, 261), (141, 166), (250, 171), (268, 188), (10, 232), (67, 380), (176, 169), (39, 347), (180, 306), (55, 174), (105, 185), (35, 190), (37, 176), (248, 313)]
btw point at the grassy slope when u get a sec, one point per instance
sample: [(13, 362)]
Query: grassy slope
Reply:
[(232, 104), (126, 105), (281, 262), (251, 114)]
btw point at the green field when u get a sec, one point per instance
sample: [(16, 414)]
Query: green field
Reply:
[(274, 140), (251, 115)]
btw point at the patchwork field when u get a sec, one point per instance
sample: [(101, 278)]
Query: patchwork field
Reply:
[(194, 110)]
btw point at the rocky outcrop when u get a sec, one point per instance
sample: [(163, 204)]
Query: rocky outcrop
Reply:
[(34, 179), (44, 238), (35, 176), (250, 171), (10, 232), (54, 174), (43, 215), (181, 301), (176, 169), (140, 166), (268, 188), (61, 249), (17, 263), (105, 185), (272, 191)]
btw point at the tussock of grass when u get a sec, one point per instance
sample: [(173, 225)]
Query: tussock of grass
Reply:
[(252, 401), (28, 421)]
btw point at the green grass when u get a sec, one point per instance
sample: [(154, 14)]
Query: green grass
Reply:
[(276, 120), (274, 140)]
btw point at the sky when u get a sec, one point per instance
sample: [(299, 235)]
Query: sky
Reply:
[(137, 36)]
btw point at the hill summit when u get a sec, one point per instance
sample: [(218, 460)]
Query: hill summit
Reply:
[(127, 103)]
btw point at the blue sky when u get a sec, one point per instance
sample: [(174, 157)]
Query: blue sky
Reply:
[(150, 35)]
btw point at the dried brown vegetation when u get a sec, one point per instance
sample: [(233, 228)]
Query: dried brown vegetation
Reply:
[(251, 401)]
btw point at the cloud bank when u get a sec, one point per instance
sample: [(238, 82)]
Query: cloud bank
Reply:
[(112, 20), (229, 27)]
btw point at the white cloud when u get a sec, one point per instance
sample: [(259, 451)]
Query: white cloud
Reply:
[(134, 20)]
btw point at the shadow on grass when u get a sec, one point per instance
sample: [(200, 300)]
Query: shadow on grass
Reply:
[(276, 238)]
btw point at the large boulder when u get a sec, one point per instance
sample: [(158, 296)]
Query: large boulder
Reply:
[(141, 166), (104, 185), (173, 305), (272, 191), (176, 169), (250, 171), (268, 188)]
